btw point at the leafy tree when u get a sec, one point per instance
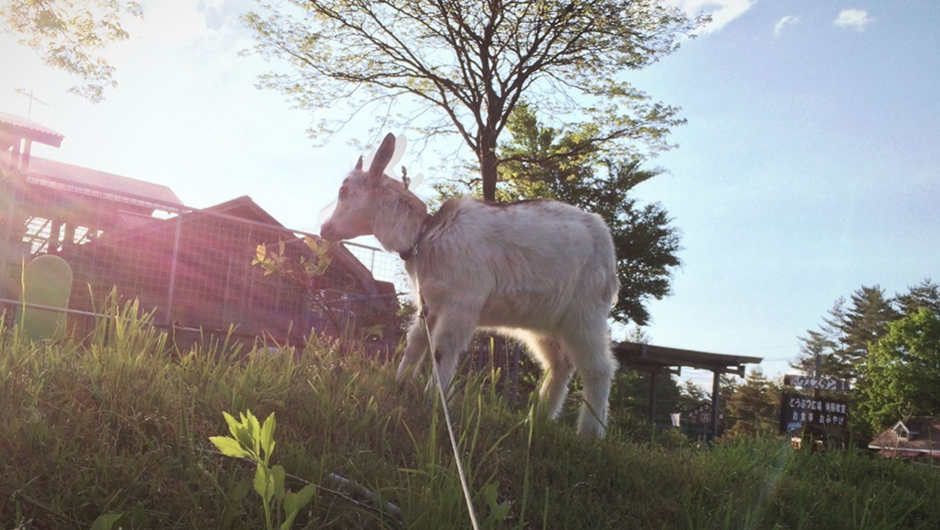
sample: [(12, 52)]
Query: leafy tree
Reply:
[(646, 244), (70, 34), (753, 408), (630, 392), (902, 372), (463, 67)]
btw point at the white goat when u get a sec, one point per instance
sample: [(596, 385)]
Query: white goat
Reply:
[(542, 272)]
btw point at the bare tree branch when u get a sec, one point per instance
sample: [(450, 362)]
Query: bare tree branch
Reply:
[(474, 62)]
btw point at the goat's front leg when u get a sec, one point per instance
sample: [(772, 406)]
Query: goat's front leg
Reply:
[(452, 319), (415, 347), (450, 335)]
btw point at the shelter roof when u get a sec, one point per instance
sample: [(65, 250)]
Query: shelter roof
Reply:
[(22, 128), (647, 357), (85, 181)]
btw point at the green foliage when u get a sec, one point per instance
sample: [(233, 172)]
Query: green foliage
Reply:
[(109, 521), (902, 372), (306, 272), (926, 294), (272, 261), (68, 35), (849, 331), (753, 407), (255, 441), (462, 67), (629, 395), (852, 326)]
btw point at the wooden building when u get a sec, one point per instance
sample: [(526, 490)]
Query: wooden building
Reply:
[(916, 438), (193, 266)]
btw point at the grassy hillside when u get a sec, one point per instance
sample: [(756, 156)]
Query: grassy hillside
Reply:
[(120, 426)]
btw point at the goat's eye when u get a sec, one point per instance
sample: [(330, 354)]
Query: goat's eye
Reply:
[(343, 192)]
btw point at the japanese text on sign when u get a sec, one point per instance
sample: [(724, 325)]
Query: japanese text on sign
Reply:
[(819, 383), (807, 411)]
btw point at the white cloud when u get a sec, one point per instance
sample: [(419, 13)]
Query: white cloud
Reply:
[(722, 11), (783, 22), (855, 19)]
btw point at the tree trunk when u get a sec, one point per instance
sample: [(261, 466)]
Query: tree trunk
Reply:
[(488, 163)]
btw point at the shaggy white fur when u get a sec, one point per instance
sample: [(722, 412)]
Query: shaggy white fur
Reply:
[(543, 272)]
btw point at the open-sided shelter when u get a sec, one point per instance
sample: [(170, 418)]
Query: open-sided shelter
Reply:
[(657, 360)]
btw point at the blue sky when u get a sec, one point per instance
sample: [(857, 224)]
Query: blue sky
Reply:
[(809, 165)]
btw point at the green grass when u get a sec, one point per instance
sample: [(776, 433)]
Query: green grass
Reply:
[(121, 424)]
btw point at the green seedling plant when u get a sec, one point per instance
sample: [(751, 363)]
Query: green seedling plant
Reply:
[(254, 441)]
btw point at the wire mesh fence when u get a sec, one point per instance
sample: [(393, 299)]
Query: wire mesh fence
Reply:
[(193, 267)]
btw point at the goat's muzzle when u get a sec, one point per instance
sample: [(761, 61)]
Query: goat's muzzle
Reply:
[(328, 232)]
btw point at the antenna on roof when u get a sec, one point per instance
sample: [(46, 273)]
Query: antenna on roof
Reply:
[(22, 91)]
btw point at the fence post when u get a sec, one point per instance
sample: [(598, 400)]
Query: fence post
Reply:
[(716, 402), (173, 265), (6, 243)]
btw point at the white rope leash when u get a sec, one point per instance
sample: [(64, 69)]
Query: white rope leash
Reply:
[(450, 429)]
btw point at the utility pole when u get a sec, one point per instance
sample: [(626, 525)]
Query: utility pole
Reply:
[(817, 372), (23, 92)]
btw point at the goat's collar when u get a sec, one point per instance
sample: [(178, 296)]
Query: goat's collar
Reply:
[(412, 251)]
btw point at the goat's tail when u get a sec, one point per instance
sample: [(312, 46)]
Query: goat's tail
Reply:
[(613, 293)]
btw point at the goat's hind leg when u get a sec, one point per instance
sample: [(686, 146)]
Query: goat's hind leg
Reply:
[(556, 363), (590, 350)]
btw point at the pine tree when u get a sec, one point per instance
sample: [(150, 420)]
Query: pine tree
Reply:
[(926, 294), (865, 323), (753, 408), (828, 344), (845, 335)]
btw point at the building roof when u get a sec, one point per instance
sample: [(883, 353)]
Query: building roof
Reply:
[(245, 208), (85, 181), (917, 435), (22, 128), (647, 357)]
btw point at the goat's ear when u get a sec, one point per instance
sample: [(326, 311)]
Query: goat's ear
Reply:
[(382, 157), (359, 163)]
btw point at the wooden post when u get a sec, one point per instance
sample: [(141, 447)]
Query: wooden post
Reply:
[(24, 156), (652, 403), (174, 261), (52, 246), (716, 402), (7, 245)]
